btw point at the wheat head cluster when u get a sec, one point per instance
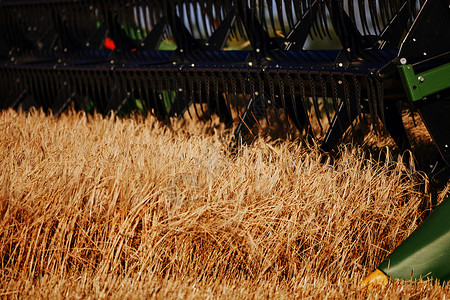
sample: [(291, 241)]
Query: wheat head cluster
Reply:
[(94, 207)]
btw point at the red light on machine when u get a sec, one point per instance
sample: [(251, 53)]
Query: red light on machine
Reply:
[(109, 44)]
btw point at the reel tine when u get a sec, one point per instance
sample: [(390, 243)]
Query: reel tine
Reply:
[(272, 19), (373, 87), (3, 98), (19, 88), (222, 10), (384, 12), (282, 92), (262, 94), (142, 77), (43, 84), (160, 95), (192, 93), (271, 89), (324, 19), (351, 10), (147, 79), (304, 99), (297, 8), (50, 90), (199, 22), (209, 17), (43, 89), (82, 75), (74, 78), (357, 89), (122, 93), (125, 91), (286, 108), (243, 84), (206, 80), (380, 96), (38, 92), (258, 110), (253, 11), (130, 91), (76, 83), (35, 87), (108, 87), (273, 102), (138, 92), (216, 94), (208, 20), (161, 90), (119, 94), (357, 92), (178, 102), (226, 91), (280, 12), (83, 90), (324, 90), (251, 83), (144, 20), (184, 92), (68, 91), (262, 15), (140, 17), (362, 16), (154, 96), (321, 18), (374, 16), (163, 95), (315, 100), (315, 29), (25, 86), (289, 14), (9, 82), (166, 93), (372, 101), (234, 92), (174, 95), (293, 100), (347, 98), (31, 85), (243, 87), (200, 92), (130, 94), (238, 29), (55, 93)]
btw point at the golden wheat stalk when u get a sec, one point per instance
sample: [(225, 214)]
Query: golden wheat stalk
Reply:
[(128, 207)]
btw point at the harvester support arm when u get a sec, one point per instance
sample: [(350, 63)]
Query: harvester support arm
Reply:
[(426, 252)]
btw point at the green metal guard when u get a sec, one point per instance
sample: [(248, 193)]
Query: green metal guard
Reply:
[(418, 86), (426, 252)]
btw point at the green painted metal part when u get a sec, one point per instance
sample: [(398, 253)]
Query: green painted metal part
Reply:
[(426, 252), (418, 86)]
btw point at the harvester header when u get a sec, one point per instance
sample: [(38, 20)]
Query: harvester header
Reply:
[(324, 63)]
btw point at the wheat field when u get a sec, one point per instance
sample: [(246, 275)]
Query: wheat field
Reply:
[(94, 207)]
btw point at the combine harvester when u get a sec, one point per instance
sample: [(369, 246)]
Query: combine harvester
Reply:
[(241, 60)]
